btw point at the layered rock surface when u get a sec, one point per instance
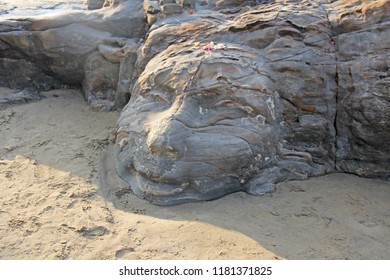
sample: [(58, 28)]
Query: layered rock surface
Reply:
[(226, 95), (363, 107), (240, 95), (95, 49)]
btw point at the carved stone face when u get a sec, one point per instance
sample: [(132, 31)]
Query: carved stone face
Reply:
[(198, 126)]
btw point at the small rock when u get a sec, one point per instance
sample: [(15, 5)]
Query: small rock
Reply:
[(170, 9), (94, 4), (164, 2)]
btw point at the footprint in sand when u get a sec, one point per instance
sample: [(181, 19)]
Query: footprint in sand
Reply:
[(366, 220), (123, 252), (93, 232)]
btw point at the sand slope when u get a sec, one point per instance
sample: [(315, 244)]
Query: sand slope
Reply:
[(60, 198)]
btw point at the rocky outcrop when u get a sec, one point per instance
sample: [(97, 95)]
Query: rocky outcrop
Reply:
[(238, 96), (91, 49), (13, 97), (230, 102), (363, 109), (226, 95)]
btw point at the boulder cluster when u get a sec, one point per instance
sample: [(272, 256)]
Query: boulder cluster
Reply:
[(219, 96)]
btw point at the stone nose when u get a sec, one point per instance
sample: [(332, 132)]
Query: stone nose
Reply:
[(166, 137)]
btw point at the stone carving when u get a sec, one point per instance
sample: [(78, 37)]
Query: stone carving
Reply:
[(226, 95), (241, 99), (199, 127)]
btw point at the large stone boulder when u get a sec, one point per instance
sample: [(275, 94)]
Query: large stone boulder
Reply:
[(71, 48), (363, 109), (209, 116), (241, 98), (226, 95)]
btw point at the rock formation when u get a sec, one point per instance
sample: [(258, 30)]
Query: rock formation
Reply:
[(95, 49), (226, 95), (363, 92), (238, 95)]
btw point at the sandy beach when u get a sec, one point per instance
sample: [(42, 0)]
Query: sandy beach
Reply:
[(29, 7), (61, 199)]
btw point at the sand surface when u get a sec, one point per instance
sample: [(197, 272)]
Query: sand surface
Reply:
[(37, 7), (60, 198)]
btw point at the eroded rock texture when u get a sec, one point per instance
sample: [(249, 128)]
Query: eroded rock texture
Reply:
[(363, 109), (240, 95), (95, 49), (226, 95)]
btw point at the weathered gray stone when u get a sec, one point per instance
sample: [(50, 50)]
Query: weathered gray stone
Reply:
[(363, 118), (235, 96), (187, 4), (19, 97), (94, 4), (100, 81), (23, 74), (283, 93), (231, 118), (220, 4), (151, 19), (170, 9), (58, 48), (164, 2), (125, 55), (152, 7), (153, 11)]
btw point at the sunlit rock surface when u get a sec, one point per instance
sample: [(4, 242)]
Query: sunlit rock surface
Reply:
[(74, 47), (226, 95), (239, 95)]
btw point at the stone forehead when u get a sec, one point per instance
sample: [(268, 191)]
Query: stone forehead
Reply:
[(193, 67)]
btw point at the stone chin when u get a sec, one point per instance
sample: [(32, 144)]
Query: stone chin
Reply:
[(172, 194), (167, 191), (184, 164)]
